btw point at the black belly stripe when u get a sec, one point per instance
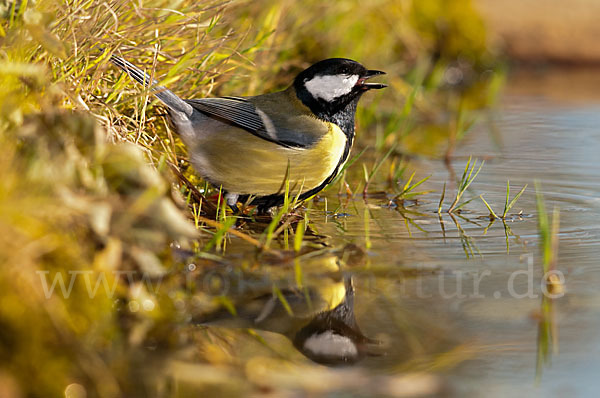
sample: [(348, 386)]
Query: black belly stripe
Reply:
[(347, 147), (266, 202), (344, 119)]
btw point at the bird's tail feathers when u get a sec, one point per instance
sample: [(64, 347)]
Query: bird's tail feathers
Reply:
[(162, 93)]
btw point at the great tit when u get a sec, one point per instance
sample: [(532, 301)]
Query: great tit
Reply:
[(318, 319), (250, 146)]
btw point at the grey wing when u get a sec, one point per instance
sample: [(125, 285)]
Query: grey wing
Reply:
[(244, 114)]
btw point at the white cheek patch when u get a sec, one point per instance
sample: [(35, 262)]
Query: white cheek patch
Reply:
[(329, 87), (329, 343)]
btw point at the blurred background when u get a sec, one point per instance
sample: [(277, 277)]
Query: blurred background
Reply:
[(546, 32)]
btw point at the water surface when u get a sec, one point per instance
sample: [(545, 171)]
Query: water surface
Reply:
[(549, 135), (456, 303)]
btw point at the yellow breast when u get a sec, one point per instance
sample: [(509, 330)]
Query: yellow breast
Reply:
[(245, 164)]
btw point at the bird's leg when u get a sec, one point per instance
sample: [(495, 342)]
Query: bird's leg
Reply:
[(232, 199), (263, 210), (267, 208)]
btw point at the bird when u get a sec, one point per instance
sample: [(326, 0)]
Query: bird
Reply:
[(253, 147), (318, 319)]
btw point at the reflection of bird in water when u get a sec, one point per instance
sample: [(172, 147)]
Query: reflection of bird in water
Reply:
[(333, 337), (319, 320)]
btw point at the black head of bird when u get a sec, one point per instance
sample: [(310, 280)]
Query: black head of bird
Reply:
[(332, 88), (252, 147)]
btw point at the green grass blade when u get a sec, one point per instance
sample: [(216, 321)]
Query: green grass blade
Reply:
[(466, 180), (283, 300), (228, 304), (463, 204), (492, 214), (543, 227), (514, 200), (407, 185), (507, 199), (298, 274), (269, 232), (408, 189), (299, 236), (219, 235), (442, 199), (297, 198), (415, 185), (554, 237), (463, 178), (367, 219), (471, 179), (380, 163)]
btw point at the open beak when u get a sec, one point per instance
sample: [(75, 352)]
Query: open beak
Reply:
[(367, 86)]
